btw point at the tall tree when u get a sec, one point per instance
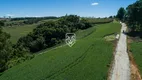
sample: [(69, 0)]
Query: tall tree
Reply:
[(134, 16), (121, 13)]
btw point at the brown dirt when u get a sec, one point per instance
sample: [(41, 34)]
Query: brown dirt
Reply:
[(135, 75)]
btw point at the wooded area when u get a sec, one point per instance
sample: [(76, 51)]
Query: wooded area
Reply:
[(133, 17)]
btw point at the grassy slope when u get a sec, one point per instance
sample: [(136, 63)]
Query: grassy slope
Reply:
[(136, 48), (83, 33), (86, 60), (18, 31)]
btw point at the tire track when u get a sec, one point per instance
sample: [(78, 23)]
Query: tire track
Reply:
[(69, 66)]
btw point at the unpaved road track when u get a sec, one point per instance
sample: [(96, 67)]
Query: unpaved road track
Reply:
[(121, 66)]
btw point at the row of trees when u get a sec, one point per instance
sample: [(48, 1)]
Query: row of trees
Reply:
[(52, 32), (33, 18), (132, 16), (25, 20)]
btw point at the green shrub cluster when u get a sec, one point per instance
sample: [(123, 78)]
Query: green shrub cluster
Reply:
[(51, 33), (10, 55)]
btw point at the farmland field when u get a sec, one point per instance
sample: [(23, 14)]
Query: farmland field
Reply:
[(88, 59), (136, 48), (18, 31), (99, 20)]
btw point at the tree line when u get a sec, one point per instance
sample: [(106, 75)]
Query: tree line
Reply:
[(51, 33), (31, 18), (132, 15), (25, 20)]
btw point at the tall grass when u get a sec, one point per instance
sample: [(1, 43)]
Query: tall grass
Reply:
[(136, 49)]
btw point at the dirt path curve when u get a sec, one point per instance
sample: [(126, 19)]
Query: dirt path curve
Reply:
[(121, 66)]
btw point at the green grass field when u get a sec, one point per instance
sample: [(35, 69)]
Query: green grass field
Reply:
[(99, 20), (88, 59), (136, 48), (18, 31), (83, 33)]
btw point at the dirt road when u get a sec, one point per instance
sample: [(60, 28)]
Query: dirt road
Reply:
[(121, 66)]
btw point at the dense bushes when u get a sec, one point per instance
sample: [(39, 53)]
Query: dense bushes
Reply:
[(133, 18), (9, 54), (5, 49), (52, 32), (33, 18)]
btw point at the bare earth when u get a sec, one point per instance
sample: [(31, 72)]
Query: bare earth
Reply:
[(121, 66)]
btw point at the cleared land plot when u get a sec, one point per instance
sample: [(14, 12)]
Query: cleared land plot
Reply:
[(88, 59)]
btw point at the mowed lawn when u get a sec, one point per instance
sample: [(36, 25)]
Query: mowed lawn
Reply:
[(88, 59), (136, 48), (18, 31)]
